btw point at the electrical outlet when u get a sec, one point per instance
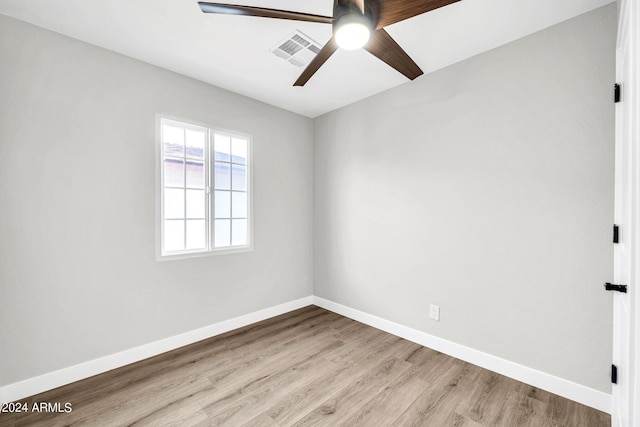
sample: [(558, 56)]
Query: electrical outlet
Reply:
[(434, 312)]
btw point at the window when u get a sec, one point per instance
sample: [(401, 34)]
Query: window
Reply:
[(204, 199)]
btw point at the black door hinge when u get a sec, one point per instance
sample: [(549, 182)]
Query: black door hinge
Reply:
[(611, 287), (616, 93), (614, 374), (616, 231)]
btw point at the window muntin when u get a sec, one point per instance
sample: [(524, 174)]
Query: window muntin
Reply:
[(230, 186), (204, 189)]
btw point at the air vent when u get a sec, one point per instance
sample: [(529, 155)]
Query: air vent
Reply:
[(297, 49), (290, 47)]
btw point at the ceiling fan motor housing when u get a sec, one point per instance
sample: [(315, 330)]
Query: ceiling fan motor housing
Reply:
[(349, 12), (352, 26)]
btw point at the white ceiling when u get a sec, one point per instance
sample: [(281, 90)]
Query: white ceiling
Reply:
[(232, 52)]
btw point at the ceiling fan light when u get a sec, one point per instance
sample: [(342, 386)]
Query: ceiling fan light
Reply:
[(352, 31)]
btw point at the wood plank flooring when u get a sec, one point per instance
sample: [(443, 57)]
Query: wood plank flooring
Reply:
[(310, 367)]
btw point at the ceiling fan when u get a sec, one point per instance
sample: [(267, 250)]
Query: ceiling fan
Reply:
[(356, 24)]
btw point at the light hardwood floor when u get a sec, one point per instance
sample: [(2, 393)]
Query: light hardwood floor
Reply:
[(310, 367)]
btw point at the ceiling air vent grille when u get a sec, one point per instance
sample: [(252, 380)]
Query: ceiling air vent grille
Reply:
[(297, 49)]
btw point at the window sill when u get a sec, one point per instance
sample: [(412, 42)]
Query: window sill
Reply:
[(202, 254)]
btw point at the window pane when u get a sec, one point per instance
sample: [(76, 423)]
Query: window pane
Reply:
[(173, 203), (223, 204), (239, 150), (174, 235), (222, 147), (173, 173), (195, 234), (195, 204), (239, 232), (173, 139), (195, 144), (195, 174), (205, 182), (239, 202), (239, 178), (222, 178), (222, 233)]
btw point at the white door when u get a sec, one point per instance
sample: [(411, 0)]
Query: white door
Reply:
[(625, 407)]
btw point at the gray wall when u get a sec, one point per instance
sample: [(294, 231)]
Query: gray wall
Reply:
[(78, 275), (485, 188)]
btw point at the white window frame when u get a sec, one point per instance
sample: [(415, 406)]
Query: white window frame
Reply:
[(210, 249)]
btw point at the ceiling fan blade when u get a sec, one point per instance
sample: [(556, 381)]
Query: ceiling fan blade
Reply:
[(359, 4), (392, 11), (382, 46), (232, 9), (317, 62)]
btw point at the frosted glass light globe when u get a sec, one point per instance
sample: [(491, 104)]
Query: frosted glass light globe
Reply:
[(352, 35)]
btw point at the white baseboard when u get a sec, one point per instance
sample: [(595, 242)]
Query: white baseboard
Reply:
[(84, 370), (576, 392), (570, 390)]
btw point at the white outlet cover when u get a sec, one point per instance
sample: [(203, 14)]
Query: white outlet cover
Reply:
[(434, 312)]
